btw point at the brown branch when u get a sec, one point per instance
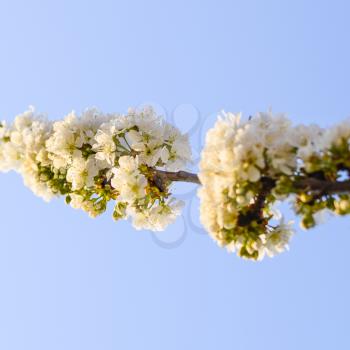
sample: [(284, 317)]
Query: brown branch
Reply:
[(316, 186), (322, 186), (181, 176), (255, 212), (313, 184), (305, 184), (162, 178)]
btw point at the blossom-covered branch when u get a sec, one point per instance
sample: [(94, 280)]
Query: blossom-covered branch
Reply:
[(247, 167), (96, 158)]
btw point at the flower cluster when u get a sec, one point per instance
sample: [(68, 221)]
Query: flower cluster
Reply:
[(246, 168), (95, 158), (22, 148), (248, 165), (328, 159), (149, 206)]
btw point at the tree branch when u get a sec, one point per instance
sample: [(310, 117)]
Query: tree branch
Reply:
[(323, 186), (305, 184), (255, 211), (162, 178), (182, 176), (310, 184)]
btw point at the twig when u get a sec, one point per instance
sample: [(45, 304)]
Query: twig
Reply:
[(182, 176)]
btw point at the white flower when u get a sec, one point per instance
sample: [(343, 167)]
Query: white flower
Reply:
[(158, 217), (179, 155), (105, 146), (147, 145), (278, 239), (82, 173), (71, 134), (129, 164), (76, 201), (128, 180)]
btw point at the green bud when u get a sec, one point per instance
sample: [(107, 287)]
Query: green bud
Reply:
[(304, 197), (308, 222), (119, 211), (68, 199)]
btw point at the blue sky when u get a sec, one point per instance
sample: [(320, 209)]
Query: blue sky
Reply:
[(70, 282)]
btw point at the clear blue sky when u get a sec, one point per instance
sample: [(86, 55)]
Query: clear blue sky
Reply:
[(69, 282)]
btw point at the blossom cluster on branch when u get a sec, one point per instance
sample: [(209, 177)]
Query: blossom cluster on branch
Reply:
[(247, 166), (95, 158)]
